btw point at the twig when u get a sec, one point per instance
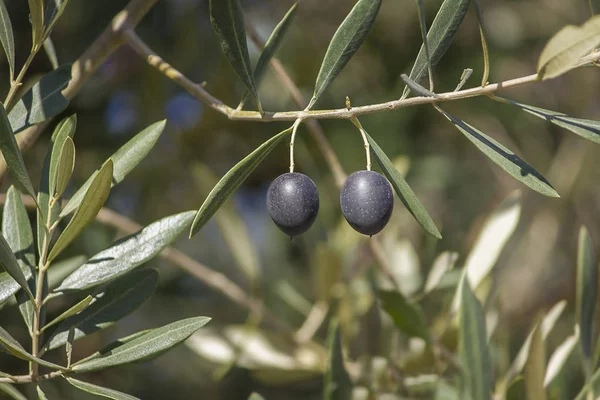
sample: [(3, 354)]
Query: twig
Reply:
[(106, 44), (211, 278), (29, 378), (343, 113)]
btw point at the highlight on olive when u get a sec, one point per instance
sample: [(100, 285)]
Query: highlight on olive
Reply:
[(367, 202), (293, 203)]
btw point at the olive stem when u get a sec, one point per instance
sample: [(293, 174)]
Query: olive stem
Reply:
[(356, 123), (294, 130)]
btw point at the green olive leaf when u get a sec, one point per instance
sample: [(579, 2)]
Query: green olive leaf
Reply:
[(345, 42), (14, 348), (7, 39), (99, 390), (337, 384), (504, 158), (587, 290), (408, 316), (232, 180), (66, 165)]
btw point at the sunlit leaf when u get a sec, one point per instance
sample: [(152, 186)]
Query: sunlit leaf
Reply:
[(40, 393), (11, 391), (587, 391), (66, 165), (63, 268), (559, 358), (145, 347), (587, 290), (36, 10), (403, 190), (12, 267), (117, 343), (14, 348), (255, 396), (124, 160), (440, 36), (496, 231), (42, 101), (586, 128), (504, 158), (6, 38), (227, 19), (92, 202), (442, 264), (12, 154), (473, 348), (564, 50), (535, 367), (51, 52), (337, 384), (345, 42), (99, 390), (117, 300), (272, 45), (407, 315), (16, 229), (127, 253), (232, 180)]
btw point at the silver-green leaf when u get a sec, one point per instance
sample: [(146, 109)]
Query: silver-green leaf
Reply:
[(66, 165), (345, 42), (6, 38), (473, 348), (559, 358), (99, 390), (587, 290), (406, 194), (117, 300), (43, 101), (227, 19), (504, 158), (127, 253), (124, 160), (15, 348), (145, 347), (92, 202), (232, 180), (12, 267), (439, 38), (565, 49), (12, 154)]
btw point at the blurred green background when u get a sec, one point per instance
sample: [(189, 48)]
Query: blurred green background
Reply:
[(458, 185)]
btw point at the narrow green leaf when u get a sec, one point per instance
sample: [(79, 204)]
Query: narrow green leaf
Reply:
[(127, 253), (271, 46), (124, 160), (535, 367), (145, 347), (36, 10), (11, 265), (54, 10), (227, 19), (7, 39), (345, 42), (76, 309), (504, 158), (473, 348), (99, 390), (516, 389), (17, 350), (444, 263), (40, 393), (587, 391), (43, 101), (337, 384), (440, 36), (92, 202), (11, 391), (19, 238), (51, 52), (484, 46), (117, 300), (12, 154), (586, 128), (564, 50), (408, 316), (587, 290), (423, 25), (255, 396), (559, 358), (26, 307), (407, 196), (66, 165), (113, 345), (232, 180), (417, 88)]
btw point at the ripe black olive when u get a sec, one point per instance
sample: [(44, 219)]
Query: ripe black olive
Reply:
[(293, 203), (367, 202)]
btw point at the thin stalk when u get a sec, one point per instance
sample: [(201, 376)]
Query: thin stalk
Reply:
[(15, 84), (293, 139), (356, 123)]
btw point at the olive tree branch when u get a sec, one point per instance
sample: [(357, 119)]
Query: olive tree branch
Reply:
[(19, 379), (87, 64), (203, 95)]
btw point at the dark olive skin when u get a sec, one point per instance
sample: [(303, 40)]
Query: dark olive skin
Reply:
[(293, 203), (367, 202)]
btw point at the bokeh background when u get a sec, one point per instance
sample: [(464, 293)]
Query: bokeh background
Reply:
[(458, 185)]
